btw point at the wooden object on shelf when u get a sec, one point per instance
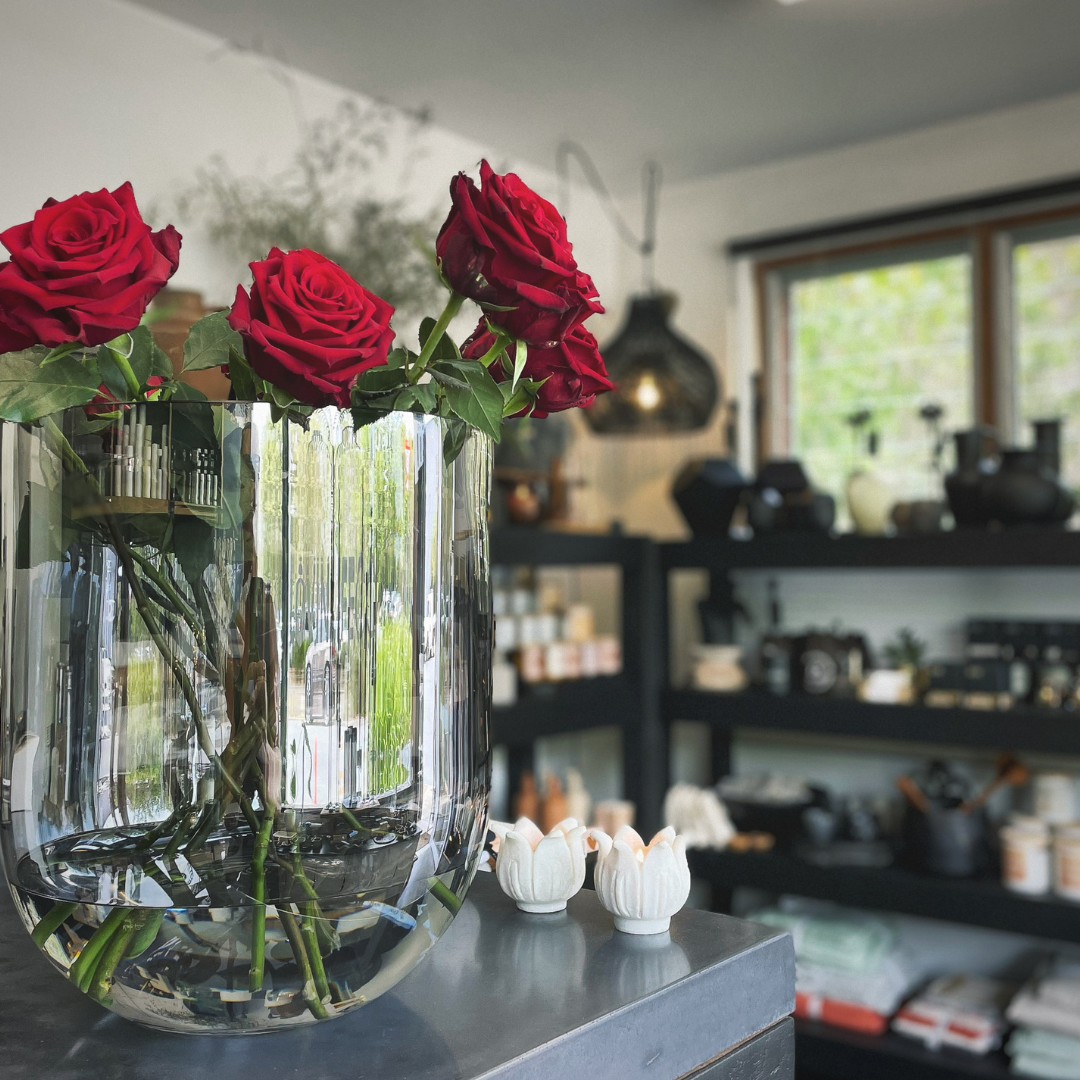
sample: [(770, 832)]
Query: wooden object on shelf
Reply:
[(553, 807), (527, 799), (129, 504)]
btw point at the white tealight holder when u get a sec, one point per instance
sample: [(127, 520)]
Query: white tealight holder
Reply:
[(641, 885), (540, 872)]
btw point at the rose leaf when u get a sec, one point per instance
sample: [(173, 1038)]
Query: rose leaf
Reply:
[(454, 439), (182, 392), (445, 349), (247, 386), (29, 392), (420, 398), (364, 416), (521, 352), (208, 343), (481, 405), (379, 380), (147, 357)]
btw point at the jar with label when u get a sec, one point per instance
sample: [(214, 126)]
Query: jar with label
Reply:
[(1055, 798), (1067, 861), (1025, 857)]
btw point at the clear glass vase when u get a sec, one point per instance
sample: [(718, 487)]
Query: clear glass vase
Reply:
[(245, 691)]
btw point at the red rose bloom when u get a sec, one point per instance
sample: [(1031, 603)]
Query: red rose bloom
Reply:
[(309, 328), (574, 369), (82, 270), (505, 247)]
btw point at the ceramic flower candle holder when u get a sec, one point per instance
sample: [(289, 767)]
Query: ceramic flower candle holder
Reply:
[(641, 885), (540, 872)]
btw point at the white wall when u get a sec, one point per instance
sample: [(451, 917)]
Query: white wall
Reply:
[(1016, 146), (95, 92)]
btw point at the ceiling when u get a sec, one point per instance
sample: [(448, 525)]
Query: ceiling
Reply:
[(701, 85)]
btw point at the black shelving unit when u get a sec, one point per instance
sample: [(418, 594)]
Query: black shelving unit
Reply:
[(630, 701), (893, 888), (1032, 730), (823, 1051), (960, 549), (834, 1054)]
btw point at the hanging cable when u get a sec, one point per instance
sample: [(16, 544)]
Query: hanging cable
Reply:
[(650, 184)]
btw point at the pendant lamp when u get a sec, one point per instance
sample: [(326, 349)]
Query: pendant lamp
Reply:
[(663, 384)]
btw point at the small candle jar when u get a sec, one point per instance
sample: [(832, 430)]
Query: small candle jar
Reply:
[(1067, 861), (1025, 858)]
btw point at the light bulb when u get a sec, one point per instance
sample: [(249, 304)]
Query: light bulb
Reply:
[(647, 393)]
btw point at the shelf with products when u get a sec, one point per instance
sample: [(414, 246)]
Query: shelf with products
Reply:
[(974, 902), (629, 700), (958, 549), (823, 1051), (1032, 730)]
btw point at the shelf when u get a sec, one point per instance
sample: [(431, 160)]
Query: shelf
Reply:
[(831, 1052), (518, 546), (965, 548), (977, 903), (558, 708), (1030, 730)]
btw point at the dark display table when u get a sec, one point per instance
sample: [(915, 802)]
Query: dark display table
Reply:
[(506, 995)]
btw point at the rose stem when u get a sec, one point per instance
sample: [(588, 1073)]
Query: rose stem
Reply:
[(453, 306), (258, 889), (184, 609), (82, 969), (121, 362), (496, 350), (292, 931), (158, 831), (54, 918), (311, 940), (114, 952), (445, 896)]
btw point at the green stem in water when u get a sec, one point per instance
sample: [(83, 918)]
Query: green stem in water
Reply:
[(453, 306), (258, 917), (183, 609), (308, 927), (445, 896), (115, 951), (56, 916), (82, 970), (292, 931)]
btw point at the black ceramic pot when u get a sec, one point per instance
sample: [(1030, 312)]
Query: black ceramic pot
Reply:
[(783, 500), (949, 842), (707, 492), (1025, 491), (964, 487)]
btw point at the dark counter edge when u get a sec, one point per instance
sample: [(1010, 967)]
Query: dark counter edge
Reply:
[(720, 1000)]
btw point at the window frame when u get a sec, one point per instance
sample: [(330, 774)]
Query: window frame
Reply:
[(989, 235)]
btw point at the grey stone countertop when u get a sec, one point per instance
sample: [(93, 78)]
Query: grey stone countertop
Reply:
[(504, 994)]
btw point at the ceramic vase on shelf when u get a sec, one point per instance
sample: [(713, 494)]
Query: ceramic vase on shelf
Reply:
[(869, 502), (246, 671)]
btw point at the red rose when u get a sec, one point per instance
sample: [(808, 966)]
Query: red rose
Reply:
[(82, 270), (574, 369), (505, 247), (309, 328)]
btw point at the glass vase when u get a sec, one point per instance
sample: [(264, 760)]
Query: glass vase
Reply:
[(245, 692)]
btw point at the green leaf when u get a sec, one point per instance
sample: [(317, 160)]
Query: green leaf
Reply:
[(397, 358), (29, 391), (247, 386), (147, 357), (419, 398), (59, 352), (449, 380), (379, 380), (521, 353), (362, 417), (481, 405), (445, 349), (209, 341), (457, 431), (111, 375), (182, 392), (282, 398)]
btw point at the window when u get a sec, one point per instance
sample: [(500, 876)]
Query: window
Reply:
[(974, 308), (1046, 320), (888, 340)]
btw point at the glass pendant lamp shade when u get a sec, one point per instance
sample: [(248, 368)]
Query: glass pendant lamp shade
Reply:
[(662, 383)]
